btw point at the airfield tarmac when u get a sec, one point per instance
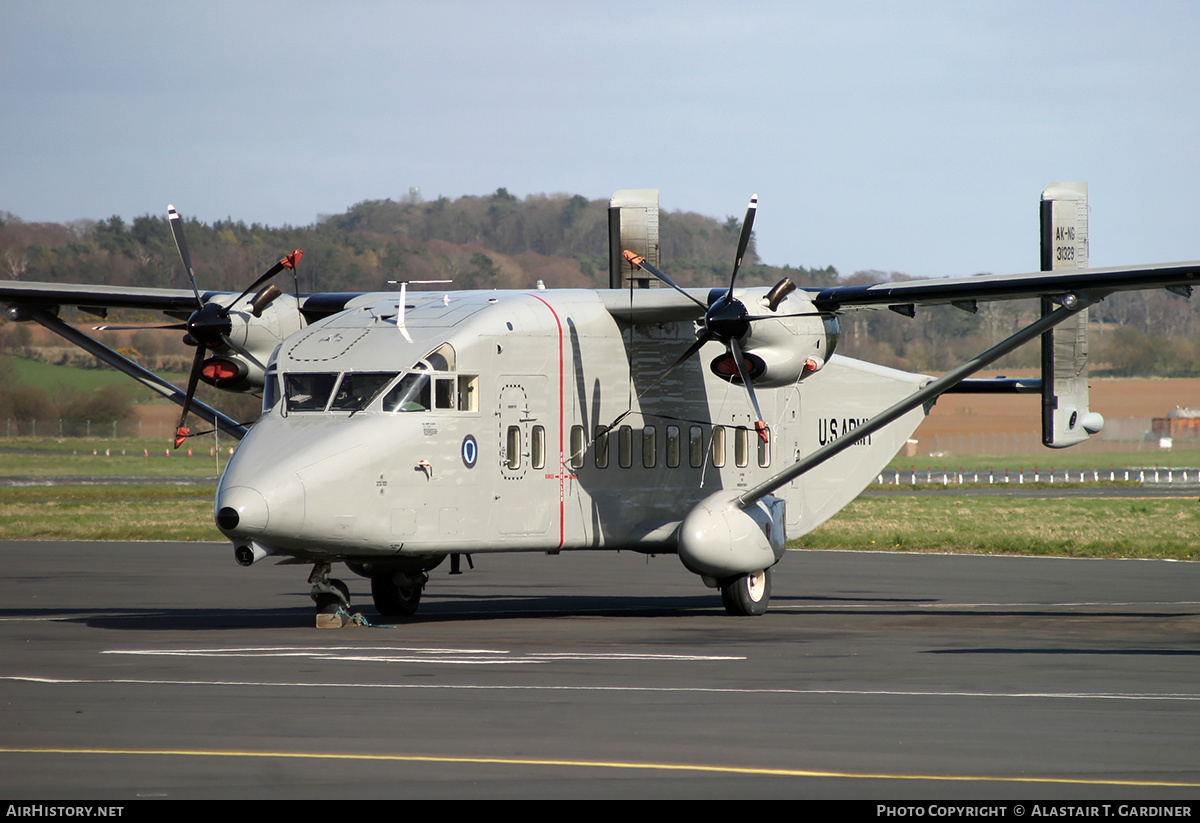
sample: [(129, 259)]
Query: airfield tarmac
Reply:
[(162, 670)]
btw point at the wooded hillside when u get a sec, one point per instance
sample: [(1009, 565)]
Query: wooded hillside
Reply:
[(500, 241)]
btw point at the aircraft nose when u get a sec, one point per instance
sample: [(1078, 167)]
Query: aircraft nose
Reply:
[(241, 510)]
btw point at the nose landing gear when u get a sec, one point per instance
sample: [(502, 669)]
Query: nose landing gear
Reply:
[(331, 596)]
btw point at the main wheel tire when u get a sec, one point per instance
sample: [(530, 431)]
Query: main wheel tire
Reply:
[(392, 600), (747, 595)]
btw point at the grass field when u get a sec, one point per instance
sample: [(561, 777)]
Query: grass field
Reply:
[(1073, 527), (151, 512), (1065, 527), (51, 375)]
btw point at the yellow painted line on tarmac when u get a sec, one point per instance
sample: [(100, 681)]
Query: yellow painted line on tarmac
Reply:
[(604, 764)]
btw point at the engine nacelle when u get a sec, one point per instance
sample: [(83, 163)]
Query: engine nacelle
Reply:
[(241, 366), (233, 372), (781, 350)]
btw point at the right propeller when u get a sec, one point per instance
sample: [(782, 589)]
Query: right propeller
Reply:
[(727, 320)]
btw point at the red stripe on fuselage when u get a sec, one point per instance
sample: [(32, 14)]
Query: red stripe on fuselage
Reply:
[(562, 465)]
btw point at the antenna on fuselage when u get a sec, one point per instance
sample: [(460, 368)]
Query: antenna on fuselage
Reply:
[(400, 306)]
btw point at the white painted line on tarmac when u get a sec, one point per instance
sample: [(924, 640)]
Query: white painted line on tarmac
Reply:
[(391, 654), (939, 695)]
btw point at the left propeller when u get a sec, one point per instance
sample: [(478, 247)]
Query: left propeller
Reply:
[(210, 326)]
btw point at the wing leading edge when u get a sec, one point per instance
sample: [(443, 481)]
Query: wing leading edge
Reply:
[(1098, 282)]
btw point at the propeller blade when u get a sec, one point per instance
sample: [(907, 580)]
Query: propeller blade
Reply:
[(760, 425), (181, 432), (184, 256), (797, 314), (640, 263), (744, 240), (288, 261), (174, 326)]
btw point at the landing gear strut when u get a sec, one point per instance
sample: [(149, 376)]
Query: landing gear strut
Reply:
[(331, 596), (747, 595)]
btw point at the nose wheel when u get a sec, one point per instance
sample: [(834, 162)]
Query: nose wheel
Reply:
[(331, 596)]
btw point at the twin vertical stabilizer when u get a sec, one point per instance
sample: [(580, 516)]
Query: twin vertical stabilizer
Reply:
[(1066, 418), (632, 226)]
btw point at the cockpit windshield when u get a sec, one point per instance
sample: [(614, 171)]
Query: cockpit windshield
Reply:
[(308, 392), (354, 391), (358, 389), (410, 394)]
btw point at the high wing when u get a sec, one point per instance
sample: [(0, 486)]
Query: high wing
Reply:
[(663, 305), (176, 302), (49, 295), (1095, 283)]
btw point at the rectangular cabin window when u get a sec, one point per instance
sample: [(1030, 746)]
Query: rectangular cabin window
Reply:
[(309, 392), (468, 393), (513, 447), (764, 450), (443, 393), (672, 446), (718, 446), (741, 447), (578, 447), (696, 446), (537, 447), (601, 446), (625, 446), (649, 447)]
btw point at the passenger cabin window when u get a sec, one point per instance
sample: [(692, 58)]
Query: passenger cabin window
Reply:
[(696, 446), (649, 447), (672, 446), (625, 446), (513, 447), (718, 446), (537, 447), (764, 451), (741, 447), (578, 447), (601, 446)]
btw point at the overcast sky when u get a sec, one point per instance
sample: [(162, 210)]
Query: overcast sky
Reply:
[(914, 137)]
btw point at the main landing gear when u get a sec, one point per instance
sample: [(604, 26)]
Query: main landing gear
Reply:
[(747, 595), (397, 594)]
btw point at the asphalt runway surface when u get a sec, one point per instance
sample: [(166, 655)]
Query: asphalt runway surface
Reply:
[(161, 670)]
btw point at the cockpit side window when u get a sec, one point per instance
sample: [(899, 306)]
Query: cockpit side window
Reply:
[(412, 393), (442, 358), (270, 390), (308, 392)]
